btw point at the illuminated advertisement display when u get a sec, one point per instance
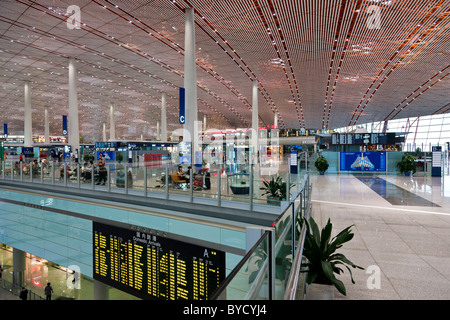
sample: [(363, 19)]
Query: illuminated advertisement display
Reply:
[(154, 267), (363, 161)]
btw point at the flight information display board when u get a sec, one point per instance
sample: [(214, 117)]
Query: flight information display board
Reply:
[(363, 161), (363, 138), (155, 267)]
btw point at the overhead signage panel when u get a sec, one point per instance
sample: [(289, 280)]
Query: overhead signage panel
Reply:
[(64, 125), (182, 116)]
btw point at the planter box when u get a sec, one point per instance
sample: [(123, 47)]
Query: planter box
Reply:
[(315, 291), (273, 201), (120, 180), (240, 189)]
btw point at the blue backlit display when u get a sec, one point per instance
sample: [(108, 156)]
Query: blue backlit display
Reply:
[(363, 161)]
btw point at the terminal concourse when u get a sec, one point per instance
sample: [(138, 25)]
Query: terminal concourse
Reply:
[(170, 150)]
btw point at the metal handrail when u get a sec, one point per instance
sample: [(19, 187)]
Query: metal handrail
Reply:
[(294, 276), (215, 295), (15, 289), (292, 282), (260, 277), (258, 281)]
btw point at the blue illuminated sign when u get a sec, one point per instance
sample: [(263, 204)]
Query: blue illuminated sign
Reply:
[(182, 106), (363, 161), (64, 125)]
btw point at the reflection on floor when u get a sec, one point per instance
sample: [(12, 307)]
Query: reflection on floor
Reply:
[(403, 244), (394, 194)]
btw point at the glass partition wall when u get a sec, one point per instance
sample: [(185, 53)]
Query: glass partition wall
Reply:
[(271, 269), (249, 187), (265, 272)]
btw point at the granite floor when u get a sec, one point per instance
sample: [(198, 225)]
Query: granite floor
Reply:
[(402, 242)]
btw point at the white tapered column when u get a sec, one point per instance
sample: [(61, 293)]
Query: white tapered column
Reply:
[(28, 127), (46, 126), (158, 131), (255, 120), (112, 123), (274, 131), (104, 132), (190, 82), (73, 127), (163, 136), (274, 137)]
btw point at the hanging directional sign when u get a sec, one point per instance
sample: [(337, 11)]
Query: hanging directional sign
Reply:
[(182, 106), (64, 125)]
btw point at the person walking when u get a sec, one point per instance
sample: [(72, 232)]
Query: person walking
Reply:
[(48, 291), (102, 173), (23, 294)]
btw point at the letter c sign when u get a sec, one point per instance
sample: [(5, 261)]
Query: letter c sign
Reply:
[(182, 106)]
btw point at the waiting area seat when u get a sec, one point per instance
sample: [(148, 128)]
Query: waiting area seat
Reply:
[(177, 180)]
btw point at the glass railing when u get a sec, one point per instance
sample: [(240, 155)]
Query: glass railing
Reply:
[(244, 189), (266, 272), (15, 289), (271, 269)]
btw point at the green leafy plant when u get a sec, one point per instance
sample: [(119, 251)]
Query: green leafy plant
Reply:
[(322, 261), (275, 188), (321, 164), (272, 187), (283, 190), (407, 164)]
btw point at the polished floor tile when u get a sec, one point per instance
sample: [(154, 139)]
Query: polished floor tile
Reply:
[(395, 195), (407, 241)]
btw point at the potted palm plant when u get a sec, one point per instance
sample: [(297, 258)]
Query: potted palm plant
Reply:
[(321, 164), (407, 165), (322, 261), (272, 190)]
